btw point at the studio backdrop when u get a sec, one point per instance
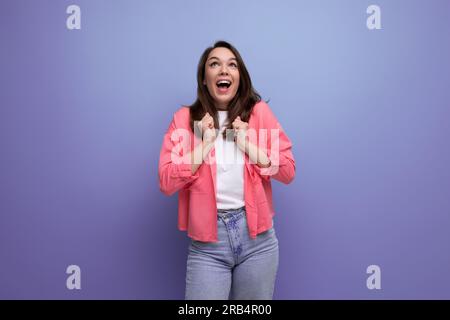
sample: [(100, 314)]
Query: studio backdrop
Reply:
[(88, 89)]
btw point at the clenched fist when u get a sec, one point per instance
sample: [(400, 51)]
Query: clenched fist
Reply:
[(240, 130), (207, 128)]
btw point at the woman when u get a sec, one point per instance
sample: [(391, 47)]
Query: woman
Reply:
[(220, 154)]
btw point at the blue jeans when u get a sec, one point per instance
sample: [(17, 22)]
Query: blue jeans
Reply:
[(236, 267)]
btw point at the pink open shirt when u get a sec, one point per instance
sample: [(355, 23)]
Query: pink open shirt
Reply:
[(197, 210)]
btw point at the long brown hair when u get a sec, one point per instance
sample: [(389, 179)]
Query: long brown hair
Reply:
[(242, 103)]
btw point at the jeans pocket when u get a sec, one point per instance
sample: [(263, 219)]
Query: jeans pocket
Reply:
[(267, 232), (269, 235), (198, 243)]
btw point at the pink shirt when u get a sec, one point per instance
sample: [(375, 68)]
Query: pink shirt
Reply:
[(197, 210)]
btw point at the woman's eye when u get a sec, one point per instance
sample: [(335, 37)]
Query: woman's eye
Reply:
[(234, 65)]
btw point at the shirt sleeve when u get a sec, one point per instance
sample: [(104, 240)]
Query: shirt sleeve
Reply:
[(278, 148), (174, 169)]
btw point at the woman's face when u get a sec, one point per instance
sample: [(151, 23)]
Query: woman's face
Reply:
[(221, 76)]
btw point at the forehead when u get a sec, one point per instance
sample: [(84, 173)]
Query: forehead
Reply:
[(221, 53)]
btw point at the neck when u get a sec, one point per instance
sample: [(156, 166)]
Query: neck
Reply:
[(222, 108)]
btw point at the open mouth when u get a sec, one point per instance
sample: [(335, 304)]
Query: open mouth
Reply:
[(223, 84)]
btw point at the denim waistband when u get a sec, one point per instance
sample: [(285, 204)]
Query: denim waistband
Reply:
[(230, 212)]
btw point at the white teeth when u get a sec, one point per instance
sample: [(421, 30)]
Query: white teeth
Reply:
[(223, 81)]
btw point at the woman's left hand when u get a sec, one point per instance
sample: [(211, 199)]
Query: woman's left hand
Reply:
[(258, 156), (240, 130)]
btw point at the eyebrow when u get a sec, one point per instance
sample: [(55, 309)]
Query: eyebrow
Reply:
[(219, 59)]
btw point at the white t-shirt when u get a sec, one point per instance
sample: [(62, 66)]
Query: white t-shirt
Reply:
[(230, 170)]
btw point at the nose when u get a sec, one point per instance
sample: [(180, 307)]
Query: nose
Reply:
[(223, 69)]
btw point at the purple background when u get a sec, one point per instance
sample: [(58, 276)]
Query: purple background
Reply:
[(83, 114)]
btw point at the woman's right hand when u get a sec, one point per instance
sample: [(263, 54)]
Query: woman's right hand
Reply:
[(208, 129)]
